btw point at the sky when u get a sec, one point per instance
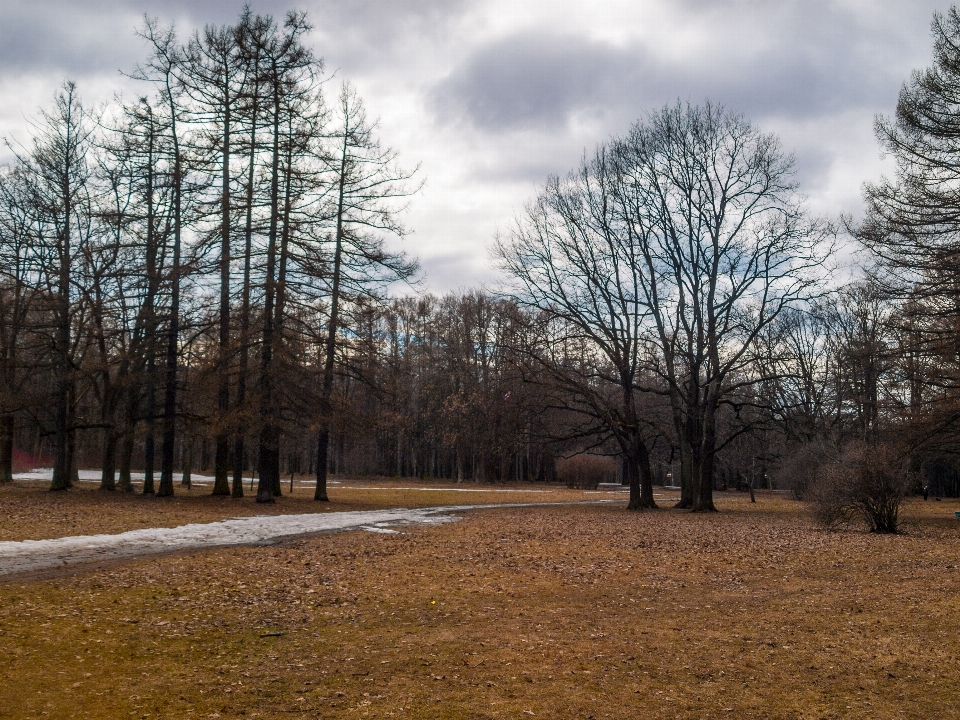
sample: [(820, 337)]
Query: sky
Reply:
[(491, 97)]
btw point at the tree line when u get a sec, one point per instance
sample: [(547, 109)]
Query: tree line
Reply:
[(209, 234), (202, 275)]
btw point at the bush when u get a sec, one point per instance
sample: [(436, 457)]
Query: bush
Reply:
[(586, 471), (866, 484), (798, 471)]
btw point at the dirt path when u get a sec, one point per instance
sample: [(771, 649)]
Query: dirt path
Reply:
[(30, 556)]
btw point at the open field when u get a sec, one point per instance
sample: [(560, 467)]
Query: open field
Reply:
[(558, 612), (28, 511)]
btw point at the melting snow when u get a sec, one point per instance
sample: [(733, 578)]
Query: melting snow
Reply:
[(28, 555)]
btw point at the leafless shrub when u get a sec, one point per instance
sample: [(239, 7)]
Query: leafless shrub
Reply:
[(866, 484), (800, 470), (586, 471)]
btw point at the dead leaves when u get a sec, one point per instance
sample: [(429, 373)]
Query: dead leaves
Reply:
[(562, 612)]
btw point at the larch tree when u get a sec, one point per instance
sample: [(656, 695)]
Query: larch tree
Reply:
[(214, 76), (912, 229), (61, 197), (367, 185), (286, 68), (19, 295), (162, 71)]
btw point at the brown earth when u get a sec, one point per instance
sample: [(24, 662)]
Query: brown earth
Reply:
[(557, 612)]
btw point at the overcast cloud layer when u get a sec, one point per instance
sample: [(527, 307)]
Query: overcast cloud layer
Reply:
[(491, 97)]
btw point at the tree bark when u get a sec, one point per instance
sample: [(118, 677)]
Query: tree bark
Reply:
[(323, 436), (6, 447), (221, 468)]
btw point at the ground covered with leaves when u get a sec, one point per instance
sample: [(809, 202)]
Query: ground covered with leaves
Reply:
[(29, 511), (557, 612)]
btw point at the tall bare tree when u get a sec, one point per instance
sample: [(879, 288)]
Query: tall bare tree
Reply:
[(912, 229), (571, 261), (723, 246), (368, 183), (19, 295), (60, 181)]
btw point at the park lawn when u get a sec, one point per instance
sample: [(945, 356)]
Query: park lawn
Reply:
[(29, 511), (555, 612)]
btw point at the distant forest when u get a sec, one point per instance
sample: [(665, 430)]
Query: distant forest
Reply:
[(203, 279)]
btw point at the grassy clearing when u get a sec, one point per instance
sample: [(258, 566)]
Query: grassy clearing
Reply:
[(29, 511), (560, 612)]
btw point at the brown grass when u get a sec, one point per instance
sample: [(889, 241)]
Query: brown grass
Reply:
[(558, 612), (29, 511)]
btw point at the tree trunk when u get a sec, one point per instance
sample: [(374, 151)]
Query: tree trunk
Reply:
[(62, 467), (269, 455), (323, 446), (125, 482), (684, 429), (639, 478), (185, 478), (108, 477), (221, 469), (323, 436), (240, 407), (706, 448), (149, 451), (646, 479), (6, 447)]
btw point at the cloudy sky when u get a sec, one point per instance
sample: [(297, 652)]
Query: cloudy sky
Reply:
[(492, 96)]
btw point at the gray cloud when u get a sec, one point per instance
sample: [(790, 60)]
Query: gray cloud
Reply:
[(78, 39), (530, 80), (524, 89), (85, 38), (541, 81), (370, 36)]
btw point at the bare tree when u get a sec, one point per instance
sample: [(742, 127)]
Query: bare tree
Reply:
[(368, 184), (214, 75), (911, 228), (571, 261), (19, 295), (723, 246), (60, 181), (285, 64)]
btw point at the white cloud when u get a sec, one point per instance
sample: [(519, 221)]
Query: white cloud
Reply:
[(491, 96)]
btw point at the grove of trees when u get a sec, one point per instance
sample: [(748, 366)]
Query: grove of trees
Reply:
[(198, 278)]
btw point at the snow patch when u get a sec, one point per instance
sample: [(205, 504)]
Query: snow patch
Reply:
[(30, 555)]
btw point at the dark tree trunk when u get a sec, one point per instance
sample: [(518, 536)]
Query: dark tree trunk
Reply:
[(62, 466), (241, 399), (6, 447), (703, 499), (684, 430), (126, 459), (221, 484), (185, 478), (269, 451), (149, 451), (108, 477), (323, 436), (173, 340), (646, 479), (323, 446)]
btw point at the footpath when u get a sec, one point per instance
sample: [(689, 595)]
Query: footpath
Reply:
[(28, 556)]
